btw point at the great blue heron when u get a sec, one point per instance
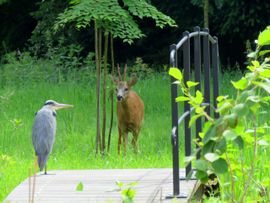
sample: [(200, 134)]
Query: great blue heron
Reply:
[(44, 129)]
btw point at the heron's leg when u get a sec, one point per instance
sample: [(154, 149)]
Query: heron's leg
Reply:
[(45, 173)]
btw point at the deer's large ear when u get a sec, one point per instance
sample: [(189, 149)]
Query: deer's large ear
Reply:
[(133, 80), (114, 79)]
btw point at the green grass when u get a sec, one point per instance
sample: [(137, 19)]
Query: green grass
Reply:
[(74, 147)]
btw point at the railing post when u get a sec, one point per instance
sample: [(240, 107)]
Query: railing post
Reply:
[(186, 64), (215, 65), (197, 66), (206, 67), (201, 38), (174, 106)]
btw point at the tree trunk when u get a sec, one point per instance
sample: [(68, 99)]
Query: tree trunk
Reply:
[(205, 13), (97, 58), (105, 57), (111, 95), (99, 79)]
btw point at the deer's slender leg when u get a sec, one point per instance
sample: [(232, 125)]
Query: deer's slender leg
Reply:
[(134, 141), (125, 140), (119, 139)]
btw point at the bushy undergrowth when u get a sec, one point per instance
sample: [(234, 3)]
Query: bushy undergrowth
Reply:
[(18, 69)]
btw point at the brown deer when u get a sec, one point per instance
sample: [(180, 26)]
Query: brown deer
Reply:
[(130, 110)]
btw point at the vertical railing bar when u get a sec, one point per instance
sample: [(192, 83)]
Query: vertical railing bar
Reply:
[(215, 65), (206, 67), (186, 64), (174, 106), (197, 67)]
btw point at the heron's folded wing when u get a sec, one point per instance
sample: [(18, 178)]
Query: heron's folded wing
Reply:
[(43, 132)]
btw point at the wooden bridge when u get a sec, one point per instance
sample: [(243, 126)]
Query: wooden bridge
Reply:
[(100, 186)]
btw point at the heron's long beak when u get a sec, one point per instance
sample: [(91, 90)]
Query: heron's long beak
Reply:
[(62, 106)]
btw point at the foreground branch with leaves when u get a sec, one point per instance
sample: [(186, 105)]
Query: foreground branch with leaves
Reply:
[(229, 144)]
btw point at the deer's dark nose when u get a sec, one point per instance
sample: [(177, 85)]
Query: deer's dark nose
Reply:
[(119, 98)]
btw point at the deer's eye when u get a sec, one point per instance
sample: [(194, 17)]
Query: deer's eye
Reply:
[(126, 89)]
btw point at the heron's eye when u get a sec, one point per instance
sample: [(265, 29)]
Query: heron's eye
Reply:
[(126, 89), (116, 89)]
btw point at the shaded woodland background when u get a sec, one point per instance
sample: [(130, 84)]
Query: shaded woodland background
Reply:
[(26, 25)]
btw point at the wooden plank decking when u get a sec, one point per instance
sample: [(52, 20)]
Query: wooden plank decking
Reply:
[(99, 186)]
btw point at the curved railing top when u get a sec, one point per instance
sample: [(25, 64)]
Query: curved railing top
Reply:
[(188, 35)]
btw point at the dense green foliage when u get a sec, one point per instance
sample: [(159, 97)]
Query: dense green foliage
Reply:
[(230, 144), (233, 21), (112, 17)]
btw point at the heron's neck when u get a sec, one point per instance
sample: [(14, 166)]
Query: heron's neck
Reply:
[(50, 109)]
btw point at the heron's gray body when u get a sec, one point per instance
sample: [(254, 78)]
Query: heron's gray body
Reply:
[(44, 129), (43, 134)]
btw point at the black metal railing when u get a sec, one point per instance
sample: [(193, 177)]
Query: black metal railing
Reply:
[(204, 58)]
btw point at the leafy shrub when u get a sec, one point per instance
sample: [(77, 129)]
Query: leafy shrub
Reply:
[(230, 144), (21, 68), (141, 69)]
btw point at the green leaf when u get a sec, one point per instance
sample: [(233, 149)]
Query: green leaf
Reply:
[(176, 73), (265, 72), (255, 108), (221, 98), (202, 176), (252, 54), (211, 132), (129, 193), (255, 63), (191, 84), (240, 109), (208, 147), (79, 187), (220, 166), (264, 37), (239, 142), (221, 146), (189, 159), (245, 94), (211, 157), (229, 135), (222, 109), (201, 165), (119, 184), (232, 120), (255, 98), (263, 143), (181, 98), (206, 126), (199, 97), (240, 84), (263, 52), (264, 86), (193, 119)]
